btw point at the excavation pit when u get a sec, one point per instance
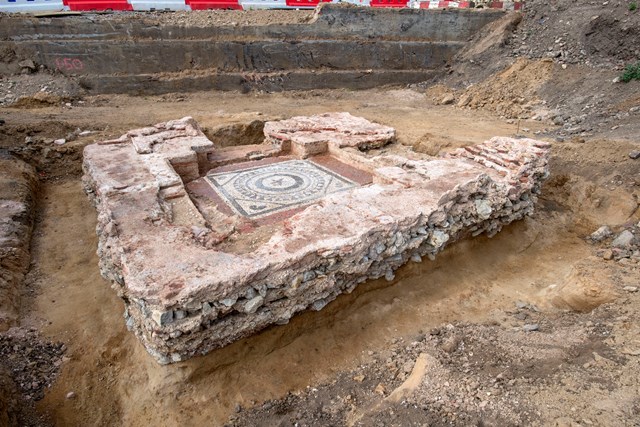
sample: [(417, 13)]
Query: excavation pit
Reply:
[(207, 245)]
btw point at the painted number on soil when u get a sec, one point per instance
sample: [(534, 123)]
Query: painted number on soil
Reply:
[(69, 64)]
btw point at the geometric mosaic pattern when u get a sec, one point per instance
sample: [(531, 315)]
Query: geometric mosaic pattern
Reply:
[(265, 190)]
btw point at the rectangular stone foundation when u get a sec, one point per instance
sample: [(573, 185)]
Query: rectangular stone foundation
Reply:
[(187, 293)]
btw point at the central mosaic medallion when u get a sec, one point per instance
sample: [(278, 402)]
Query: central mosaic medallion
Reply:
[(265, 190)]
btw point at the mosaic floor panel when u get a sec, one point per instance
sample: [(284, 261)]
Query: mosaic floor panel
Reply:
[(266, 190)]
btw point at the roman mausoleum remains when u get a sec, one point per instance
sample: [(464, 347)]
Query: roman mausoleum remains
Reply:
[(209, 245)]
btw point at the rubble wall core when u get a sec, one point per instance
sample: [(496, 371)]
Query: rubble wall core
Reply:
[(189, 290)]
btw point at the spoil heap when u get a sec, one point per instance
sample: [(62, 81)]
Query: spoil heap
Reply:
[(186, 295)]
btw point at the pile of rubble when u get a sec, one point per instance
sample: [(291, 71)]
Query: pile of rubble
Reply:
[(623, 246)]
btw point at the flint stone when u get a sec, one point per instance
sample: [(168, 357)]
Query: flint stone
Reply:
[(308, 275), (483, 208), (253, 304), (251, 293), (326, 248), (624, 240), (319, 304), (27, 63), (447, 99), (229, 302), (601, 233), (439, 238), (162, 317)]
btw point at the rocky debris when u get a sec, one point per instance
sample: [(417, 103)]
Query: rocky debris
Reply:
[(33, 363), (28, 366), (37, 145), (607, 254), (635, 154), (597, 34), (27, 65), (37, 90), (577, 48), (18, 185), (9, 400), (624, 245), (511, 93), (39, 100), (447, 99), (623, 240), (601, 233), (184, 299), (495, 375), (212, 18)]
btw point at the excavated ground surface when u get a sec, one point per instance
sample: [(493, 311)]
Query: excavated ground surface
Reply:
[(342, 46), (494, 332), (475, 282)]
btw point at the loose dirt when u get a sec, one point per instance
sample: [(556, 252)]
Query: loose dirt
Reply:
[(114, 381), (536, 326)]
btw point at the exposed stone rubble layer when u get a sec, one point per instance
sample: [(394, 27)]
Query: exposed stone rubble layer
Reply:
[(18, 184), (185, 298)]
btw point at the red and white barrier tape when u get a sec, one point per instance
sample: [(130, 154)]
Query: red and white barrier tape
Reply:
[(149, 5)]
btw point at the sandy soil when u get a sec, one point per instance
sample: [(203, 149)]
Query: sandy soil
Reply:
[(114, 381), (536, 326)]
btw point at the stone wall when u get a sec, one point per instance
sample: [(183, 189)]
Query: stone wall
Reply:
[(186, 296)]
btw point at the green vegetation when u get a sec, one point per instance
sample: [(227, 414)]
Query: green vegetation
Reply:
[(631, 72), (633, 6)]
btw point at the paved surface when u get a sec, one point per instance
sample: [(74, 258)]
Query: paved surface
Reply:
[(258, 191)]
